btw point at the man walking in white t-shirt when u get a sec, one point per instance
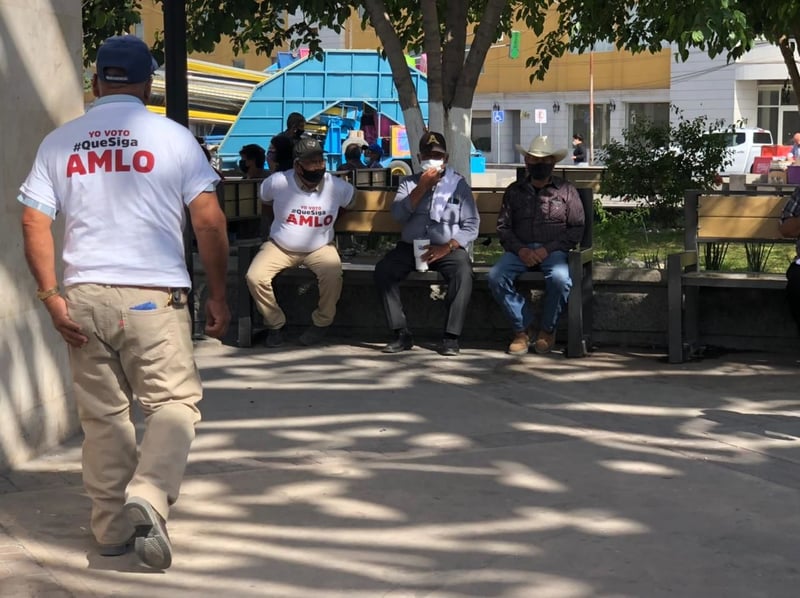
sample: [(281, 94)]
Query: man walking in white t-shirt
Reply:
[(121, 177), (305, 201)]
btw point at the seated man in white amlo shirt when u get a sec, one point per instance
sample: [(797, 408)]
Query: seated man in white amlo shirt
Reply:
[(306, 201)]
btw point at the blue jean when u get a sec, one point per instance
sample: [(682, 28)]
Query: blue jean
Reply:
[(557, 284)]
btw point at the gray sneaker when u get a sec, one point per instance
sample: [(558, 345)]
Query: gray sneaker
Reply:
[(152, 543), (313, 335)]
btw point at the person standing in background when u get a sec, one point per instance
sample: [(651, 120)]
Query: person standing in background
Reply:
[(280, 154), (373, 153), (578, 151), (795, 147), (295, 126), (251, 161)]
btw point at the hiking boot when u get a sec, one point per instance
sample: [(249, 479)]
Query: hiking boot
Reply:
[(544, 341), (152, 543), (274, 338), (519, 345), (449, 347), (313, 335), (403, 342)]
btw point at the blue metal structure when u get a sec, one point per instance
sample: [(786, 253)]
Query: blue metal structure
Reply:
[(331, 94)]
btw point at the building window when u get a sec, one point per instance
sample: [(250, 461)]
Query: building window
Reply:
[(602, 123), (138, 30), (238, 63), (777, 111), (656, 112)]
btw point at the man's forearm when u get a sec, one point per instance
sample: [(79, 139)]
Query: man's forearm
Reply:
[(212, 243), (40, 250)]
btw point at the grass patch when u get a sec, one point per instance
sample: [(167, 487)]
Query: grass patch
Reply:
[(644, 250), (650, 250)]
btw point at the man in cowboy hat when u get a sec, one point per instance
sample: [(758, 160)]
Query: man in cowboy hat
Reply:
[(540, 220)]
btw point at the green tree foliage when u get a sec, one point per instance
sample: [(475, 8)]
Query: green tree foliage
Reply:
[(104, 18), (656, 163), (456, 35), (727, 28)]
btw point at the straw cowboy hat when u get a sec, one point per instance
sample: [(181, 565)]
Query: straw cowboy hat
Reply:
[(541, 148)]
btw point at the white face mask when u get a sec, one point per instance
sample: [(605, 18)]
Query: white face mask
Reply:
[(428, 164)]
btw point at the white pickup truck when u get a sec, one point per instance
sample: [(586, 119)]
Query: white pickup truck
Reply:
[(745, 144)]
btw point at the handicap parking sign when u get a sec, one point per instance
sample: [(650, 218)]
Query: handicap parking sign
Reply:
[(498, 116)]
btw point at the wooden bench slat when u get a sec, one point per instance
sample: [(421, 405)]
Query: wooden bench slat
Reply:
[(383, 223), (762, 206), (757, 280), (488, 202), (739, 229), (372, 200), (365, 222), (377, 200), (370, 213)]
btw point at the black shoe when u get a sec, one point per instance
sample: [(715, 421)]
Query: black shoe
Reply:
[(152, 543), (312, 335), (403, 342), (274, 338), (449, 347)]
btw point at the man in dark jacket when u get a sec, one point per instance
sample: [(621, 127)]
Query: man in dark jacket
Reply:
[(540, 220)]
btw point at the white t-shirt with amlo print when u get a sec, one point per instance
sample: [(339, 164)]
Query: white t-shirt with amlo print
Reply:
[(304, 219), (121, 176)]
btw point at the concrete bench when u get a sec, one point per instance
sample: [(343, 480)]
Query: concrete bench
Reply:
[(741, 217), (370, 214)]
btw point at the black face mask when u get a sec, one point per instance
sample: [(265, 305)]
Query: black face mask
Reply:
[(540, 171), (298, 133), (243, 165), (312, 176)]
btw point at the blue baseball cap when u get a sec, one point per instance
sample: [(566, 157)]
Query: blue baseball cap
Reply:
[(374, 147), (128, 56)]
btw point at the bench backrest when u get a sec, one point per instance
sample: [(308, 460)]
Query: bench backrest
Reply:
[(239, 198), (733, 217), (370, 212)]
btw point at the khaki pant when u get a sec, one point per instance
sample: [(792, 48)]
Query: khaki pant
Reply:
[(144, 354), (272, 259)]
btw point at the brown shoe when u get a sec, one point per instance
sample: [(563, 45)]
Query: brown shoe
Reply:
[(520, 344), (544, 341)]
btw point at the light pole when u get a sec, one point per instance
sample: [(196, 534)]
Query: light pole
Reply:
[(495, 113)]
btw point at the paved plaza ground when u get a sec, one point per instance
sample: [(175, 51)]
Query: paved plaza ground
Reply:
[(343, 472)]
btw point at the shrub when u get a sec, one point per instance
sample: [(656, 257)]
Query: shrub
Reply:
[(657, 163)]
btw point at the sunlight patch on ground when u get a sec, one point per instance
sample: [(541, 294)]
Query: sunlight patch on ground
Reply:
[(624, 408), (328, 497), (640, 468), (440, 441), (714, 449), (521, 476), (267, 423)]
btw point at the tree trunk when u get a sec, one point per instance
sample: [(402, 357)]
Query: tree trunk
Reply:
[(458, 123), (432, 44), (785, 46), (459, 90), (406, 92)]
